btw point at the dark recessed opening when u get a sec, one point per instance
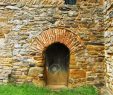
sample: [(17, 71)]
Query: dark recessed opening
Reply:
[(57, 57), (70, 2)]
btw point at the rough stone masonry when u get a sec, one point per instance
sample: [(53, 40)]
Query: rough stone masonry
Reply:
[(27, 27)]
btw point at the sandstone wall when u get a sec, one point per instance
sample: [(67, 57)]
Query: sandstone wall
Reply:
[(109, 47), (46, 2), (20, 25)]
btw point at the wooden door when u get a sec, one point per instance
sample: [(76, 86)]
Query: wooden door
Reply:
[(57, 63)]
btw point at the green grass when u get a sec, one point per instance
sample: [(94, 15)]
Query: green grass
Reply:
[(28, 89)]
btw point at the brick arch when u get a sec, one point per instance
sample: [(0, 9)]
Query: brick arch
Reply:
[(64, 36)]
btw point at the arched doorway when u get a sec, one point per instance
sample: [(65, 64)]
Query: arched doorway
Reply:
[(57, 57), (60, 45)]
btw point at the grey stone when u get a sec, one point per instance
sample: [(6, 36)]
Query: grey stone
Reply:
[(72, 13), (12, 7), (2, 43), (111, 14)]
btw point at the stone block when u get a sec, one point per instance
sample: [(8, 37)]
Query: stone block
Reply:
[(6, 31), (93, 47), (38, 82), (77, 73), (35, 71), (39, 60), (2, 42), (101, 2), (90, 79), (76, 82), (5, 81), (39, 63), (93, 52), (2, 34), (3, 19), (6, 61), (72, 59)]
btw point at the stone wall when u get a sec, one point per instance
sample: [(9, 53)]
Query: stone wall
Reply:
[(45, 2), (21, 25), (109, 47)]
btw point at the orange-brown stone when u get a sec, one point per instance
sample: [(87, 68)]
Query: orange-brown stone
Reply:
[(3, 19), (72, 59), (97, 48), (1, 34), (77, 73)]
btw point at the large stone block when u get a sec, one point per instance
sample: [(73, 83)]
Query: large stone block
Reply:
[(72, 59), (35, 71), (93, 47), (77, 73)]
